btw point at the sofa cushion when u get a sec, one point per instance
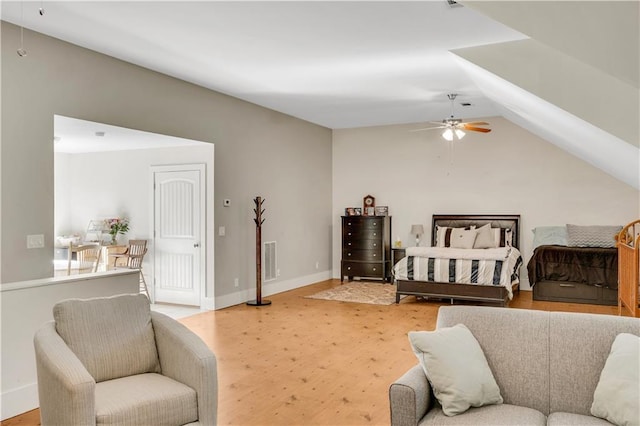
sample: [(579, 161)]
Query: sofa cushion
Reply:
[(617, 396), (570, 419), (456, 368), (579, 347), (503, 414), (145, 399), (111, 336), (516, 345)]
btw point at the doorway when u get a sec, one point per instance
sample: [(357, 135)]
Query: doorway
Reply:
[(103, 171)]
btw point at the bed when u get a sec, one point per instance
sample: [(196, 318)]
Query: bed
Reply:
[(488, 275), (628, 246), (579, 266)]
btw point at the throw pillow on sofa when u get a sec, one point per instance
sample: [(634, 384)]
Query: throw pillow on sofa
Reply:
[(456, 367), (617, 395)]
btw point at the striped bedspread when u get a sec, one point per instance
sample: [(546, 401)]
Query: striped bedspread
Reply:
[(497, 266)]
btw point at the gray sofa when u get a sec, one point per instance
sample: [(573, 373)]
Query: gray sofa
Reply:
[(547, 365)]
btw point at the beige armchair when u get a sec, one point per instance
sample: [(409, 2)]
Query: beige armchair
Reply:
[(112, 361)]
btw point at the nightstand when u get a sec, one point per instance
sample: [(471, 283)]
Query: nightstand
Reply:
[(397, 253)]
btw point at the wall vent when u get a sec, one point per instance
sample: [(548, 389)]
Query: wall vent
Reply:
[(270, 265), (453, 3)]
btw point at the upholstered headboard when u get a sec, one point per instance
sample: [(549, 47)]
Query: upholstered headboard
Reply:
[(461, 221)]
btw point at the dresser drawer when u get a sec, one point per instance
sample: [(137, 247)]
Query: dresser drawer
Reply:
[(361, 269), (354, 243), (361, 234), (363, 223), (362, 255)]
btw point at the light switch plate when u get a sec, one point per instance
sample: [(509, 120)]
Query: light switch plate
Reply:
[(35, 241)]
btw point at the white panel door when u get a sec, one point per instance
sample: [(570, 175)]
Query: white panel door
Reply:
[(179, 235)]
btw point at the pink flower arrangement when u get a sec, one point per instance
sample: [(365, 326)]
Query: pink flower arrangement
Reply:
[(117, 226)]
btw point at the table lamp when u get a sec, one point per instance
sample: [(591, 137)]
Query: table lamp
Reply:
[(417, 230)]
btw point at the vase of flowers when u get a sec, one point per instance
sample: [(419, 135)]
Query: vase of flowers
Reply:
[(117, 226)]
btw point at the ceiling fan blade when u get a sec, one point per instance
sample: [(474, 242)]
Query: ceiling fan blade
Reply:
[(427, 128), (477, 123), (476, 129)]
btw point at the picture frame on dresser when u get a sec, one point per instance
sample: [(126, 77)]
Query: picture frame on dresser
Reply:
[(382, 211)]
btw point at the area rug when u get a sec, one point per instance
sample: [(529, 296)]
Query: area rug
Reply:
[(359, 292)]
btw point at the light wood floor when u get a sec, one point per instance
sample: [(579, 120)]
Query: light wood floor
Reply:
[(315, 362)]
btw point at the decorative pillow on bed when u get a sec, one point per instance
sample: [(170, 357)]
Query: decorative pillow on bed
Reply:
[(617, 396), (463, 238), (592, 236), (503, 236), (485, 238), (443, 234), (456, 367), (549, 236)]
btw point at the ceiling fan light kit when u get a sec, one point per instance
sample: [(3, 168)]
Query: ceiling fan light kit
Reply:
[(455, 127)]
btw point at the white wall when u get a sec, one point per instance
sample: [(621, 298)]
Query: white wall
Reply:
[(28, 305), (507, 171), (117, 184)]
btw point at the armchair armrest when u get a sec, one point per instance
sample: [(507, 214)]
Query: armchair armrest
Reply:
[(187, 359), (65, 388), (410, 397)]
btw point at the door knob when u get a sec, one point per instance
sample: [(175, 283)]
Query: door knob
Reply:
[(196, 245)]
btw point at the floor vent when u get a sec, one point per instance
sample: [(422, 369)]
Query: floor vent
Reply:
[(270, 271), (453, 3)]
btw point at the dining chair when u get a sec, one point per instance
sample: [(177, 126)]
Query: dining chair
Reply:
[(87, 257), (133, 256)]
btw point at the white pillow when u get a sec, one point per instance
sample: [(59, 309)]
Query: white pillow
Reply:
[(485, 238), (442, 239), (617, 396), (456, 367), (549, 235), (462, 238), (503, 237)]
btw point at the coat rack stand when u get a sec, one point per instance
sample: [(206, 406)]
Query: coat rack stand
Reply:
[(259, 221)]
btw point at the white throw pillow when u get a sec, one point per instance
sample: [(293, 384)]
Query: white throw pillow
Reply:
[(549, 235), (617, 396), (456, 367), (485, 238), (462, 238), (442, 239)]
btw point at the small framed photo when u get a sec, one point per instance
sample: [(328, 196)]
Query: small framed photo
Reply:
[(382, 210), (357, 211), (352, 211)]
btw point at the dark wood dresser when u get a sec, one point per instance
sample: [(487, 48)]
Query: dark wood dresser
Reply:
[(366, 247)]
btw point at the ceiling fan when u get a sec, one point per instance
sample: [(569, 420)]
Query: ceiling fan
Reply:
[(455, 127)]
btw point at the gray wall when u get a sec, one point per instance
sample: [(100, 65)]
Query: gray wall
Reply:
[(258, 152)]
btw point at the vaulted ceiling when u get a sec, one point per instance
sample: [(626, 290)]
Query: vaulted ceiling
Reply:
[(567, 71)]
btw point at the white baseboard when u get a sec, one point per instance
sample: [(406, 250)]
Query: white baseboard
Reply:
[(269, 289), (18, 401), (209, 303)]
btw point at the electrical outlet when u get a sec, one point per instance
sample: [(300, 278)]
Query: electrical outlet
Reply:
[(35, 241), (236, 282), (317, 265), (222, 231), (277, 272)]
